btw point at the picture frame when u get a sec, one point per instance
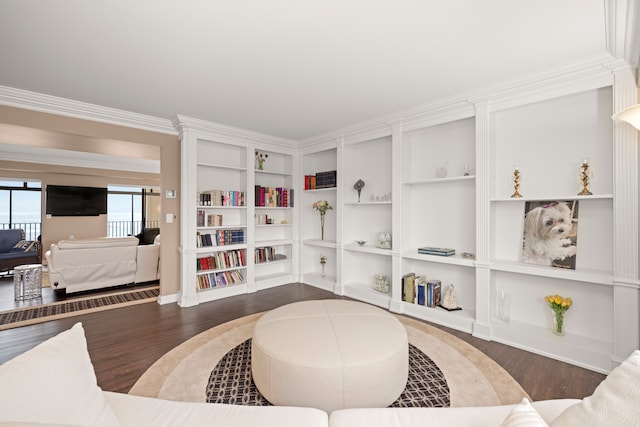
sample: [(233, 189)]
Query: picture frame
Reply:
[(550, 233)]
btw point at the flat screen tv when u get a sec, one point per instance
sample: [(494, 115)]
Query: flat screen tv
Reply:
[(64, 200)]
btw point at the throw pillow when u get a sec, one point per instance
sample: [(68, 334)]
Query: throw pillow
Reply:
[(615, 402), (24, 246), (54, 383), (524, 415)]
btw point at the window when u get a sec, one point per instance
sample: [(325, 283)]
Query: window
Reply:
[(20, 207), (131, 209)]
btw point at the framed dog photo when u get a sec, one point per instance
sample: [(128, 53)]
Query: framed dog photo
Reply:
[(550, 233)]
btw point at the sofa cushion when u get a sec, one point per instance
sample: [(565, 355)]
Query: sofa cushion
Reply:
[(615, 402), (524, 415), (8, 238), (137, 411), (103, 242), (24, 246), (54, 383)]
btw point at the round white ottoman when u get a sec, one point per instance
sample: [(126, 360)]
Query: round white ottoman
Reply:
[(330, 354)]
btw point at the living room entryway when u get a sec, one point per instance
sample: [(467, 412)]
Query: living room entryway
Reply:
[(132, 220)]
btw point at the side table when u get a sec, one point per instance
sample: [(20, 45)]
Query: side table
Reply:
[(27, 282)]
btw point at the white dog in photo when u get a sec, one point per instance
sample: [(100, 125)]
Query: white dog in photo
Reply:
[(545, 234)]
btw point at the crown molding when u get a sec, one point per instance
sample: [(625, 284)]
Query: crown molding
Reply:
[(580, 75), (19, 98), (189, 124), (59, 157)]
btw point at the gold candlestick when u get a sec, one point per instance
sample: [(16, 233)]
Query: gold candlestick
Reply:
[(516, 184), (585, 178)]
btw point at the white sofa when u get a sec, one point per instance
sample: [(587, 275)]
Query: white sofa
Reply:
[(55, 384), (81, 265)]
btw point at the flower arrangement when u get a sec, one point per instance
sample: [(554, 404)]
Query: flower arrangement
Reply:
[(261, 157), (323, 261), (322, 206), (559, 306)]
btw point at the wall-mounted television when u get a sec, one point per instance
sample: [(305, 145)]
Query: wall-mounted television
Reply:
[(65, 200)]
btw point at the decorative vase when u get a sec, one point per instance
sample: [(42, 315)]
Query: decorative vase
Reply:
[(260, 164), (322, 225), (558, 322), (322, 272)]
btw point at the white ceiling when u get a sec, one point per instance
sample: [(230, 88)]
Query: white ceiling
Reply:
[(291, 68)]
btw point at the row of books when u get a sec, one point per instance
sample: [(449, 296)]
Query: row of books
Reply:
[(432, 250), (221, 260), (267, 254), (220, 238), (221, 198), (272, 197), (262, 219), (208, 220), (320, 180), (417, 289), (222, 278)]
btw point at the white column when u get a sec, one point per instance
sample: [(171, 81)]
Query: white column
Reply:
[(626, 283), (189, 152), (396, 218), (482, 325)]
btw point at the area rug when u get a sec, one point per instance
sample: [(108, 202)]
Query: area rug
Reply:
[(83, 305), (214, 366)]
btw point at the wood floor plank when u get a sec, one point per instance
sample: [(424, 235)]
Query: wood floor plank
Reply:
[(124, 342)]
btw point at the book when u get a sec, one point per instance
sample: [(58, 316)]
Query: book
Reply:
[(431, 250), (433, 293), (421, 284), (409, 287)]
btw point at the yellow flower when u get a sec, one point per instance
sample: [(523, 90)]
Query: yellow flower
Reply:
[(558, 299)]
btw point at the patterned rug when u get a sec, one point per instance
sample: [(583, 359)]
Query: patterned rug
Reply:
[(231, 381), (58, 310), (214, 366)]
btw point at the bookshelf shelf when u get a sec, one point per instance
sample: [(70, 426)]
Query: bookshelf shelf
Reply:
[(456, 259), (554, 197), (321, 243), (441, 180)]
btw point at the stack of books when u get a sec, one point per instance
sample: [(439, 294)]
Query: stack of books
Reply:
[(429, 292), (220, 238), (431, 250), (221, 198), (326, 179), (272, 197)]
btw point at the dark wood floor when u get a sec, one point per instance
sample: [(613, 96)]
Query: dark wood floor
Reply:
[(124, 342)]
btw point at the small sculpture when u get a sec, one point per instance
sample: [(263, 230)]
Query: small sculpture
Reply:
[(383, 240), (449, 300), (441, 172), (516, 184), (585, 177), (358, 186)]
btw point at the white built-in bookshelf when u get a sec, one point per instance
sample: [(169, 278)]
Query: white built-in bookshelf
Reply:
[(274, 200), (239, 231), (317, 160), (545, 131), (547, 135)]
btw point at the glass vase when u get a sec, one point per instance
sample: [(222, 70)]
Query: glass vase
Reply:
[(322, 274), (322, 225), (558, 322)]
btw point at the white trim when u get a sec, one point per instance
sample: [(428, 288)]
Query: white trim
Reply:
[(182, 123), (19, 98)]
